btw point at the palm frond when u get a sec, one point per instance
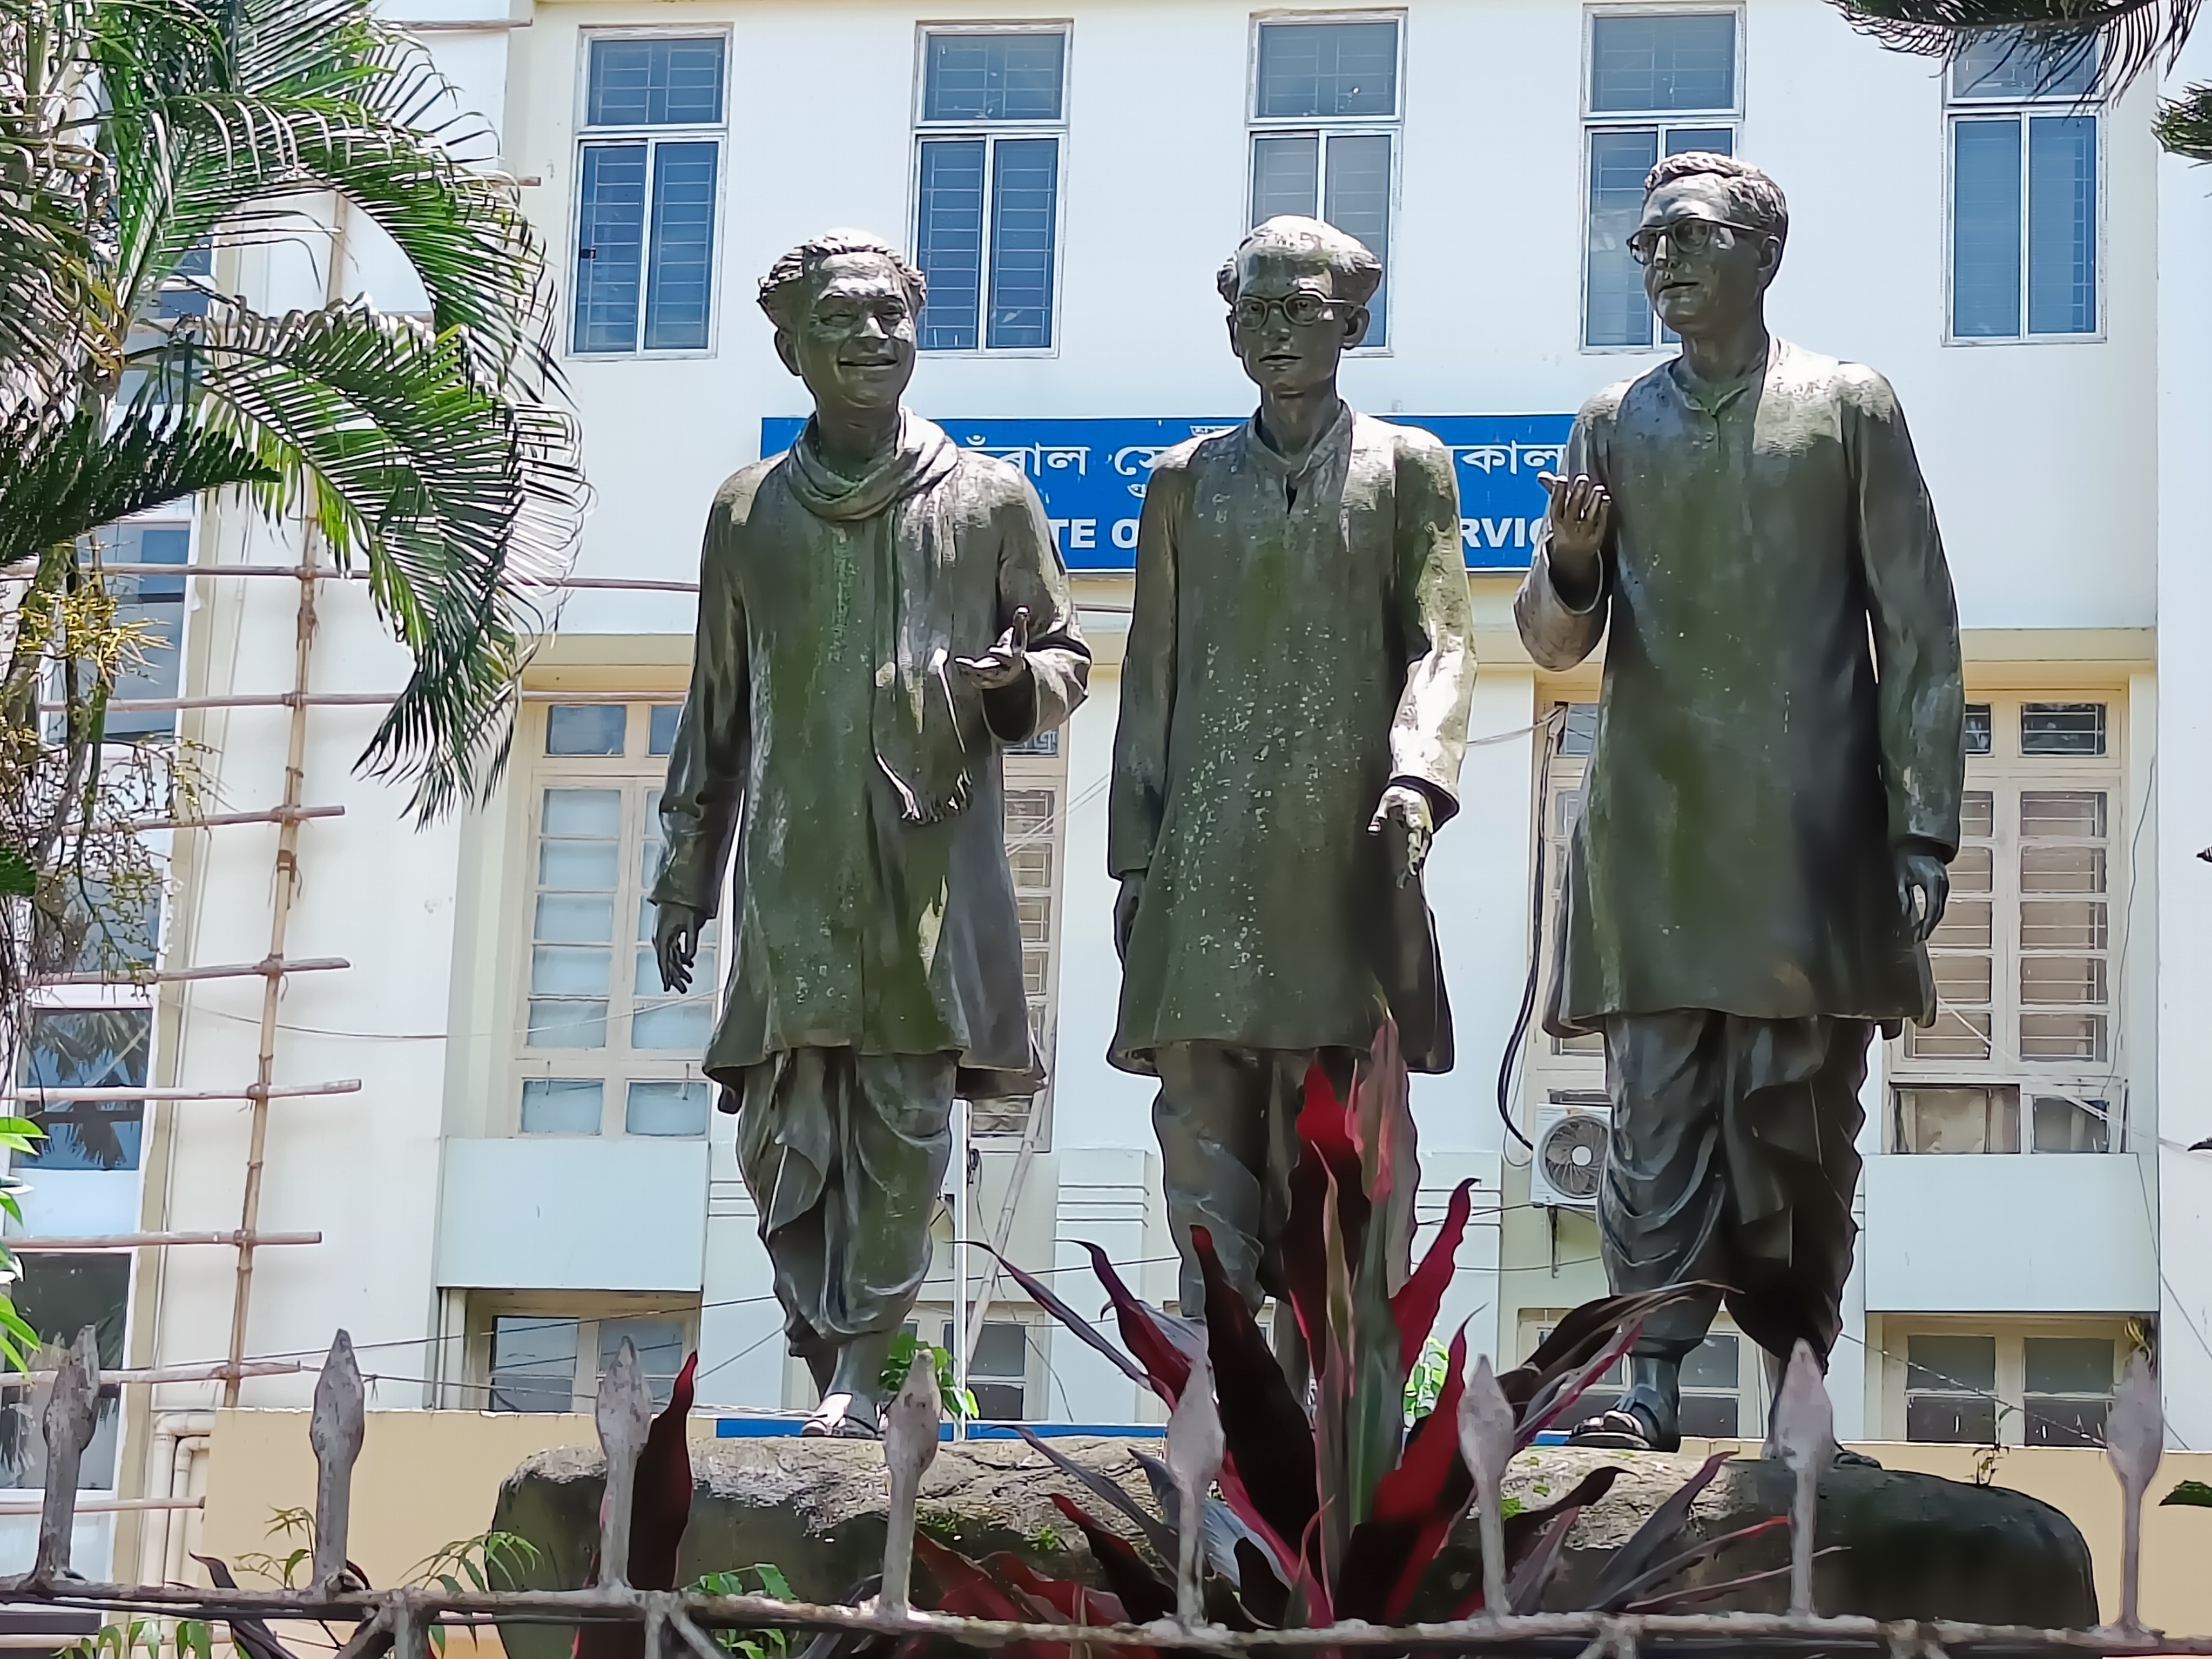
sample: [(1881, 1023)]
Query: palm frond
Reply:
[(2185, 124), (462, 502), (61, 479), (304, 96), (2127, 37)]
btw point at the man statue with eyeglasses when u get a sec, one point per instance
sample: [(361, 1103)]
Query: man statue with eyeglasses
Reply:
[(1293, 713), (880, 612), (1773, 795)]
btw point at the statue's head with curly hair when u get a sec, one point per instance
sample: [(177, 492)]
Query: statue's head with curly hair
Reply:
[(1711, 241), (1298, 292), (845, 306)]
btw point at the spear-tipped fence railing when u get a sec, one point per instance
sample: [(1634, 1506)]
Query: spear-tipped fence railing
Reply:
[(399, 1621)]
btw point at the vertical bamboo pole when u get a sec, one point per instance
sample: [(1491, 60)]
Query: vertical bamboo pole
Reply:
[(286, 885)]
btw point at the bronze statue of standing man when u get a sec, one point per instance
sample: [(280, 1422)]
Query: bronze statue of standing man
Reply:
[(1293, 714), (880, 612), (1774, 793)]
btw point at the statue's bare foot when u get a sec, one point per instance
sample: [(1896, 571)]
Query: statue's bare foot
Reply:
[(843, 1417)]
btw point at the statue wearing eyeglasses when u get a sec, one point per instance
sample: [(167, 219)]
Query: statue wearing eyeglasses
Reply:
[(1773, 796), (1293, 713), (880, 612)]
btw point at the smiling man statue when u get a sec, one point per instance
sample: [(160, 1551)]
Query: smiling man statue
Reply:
[(1774, 791), (880, 611), (1293, 714)]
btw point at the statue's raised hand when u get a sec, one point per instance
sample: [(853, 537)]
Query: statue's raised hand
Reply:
[(1580, 513), (675, 945), (1924, 886), (1005, 663), (1406, 818)]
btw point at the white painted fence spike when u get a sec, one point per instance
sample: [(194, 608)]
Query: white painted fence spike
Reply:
[(1196, 1448), (623, 1413), (1485, 1442), (1805, 1435), (2135, 1443), (335, 1431), (70, 1414), (909, 1445)]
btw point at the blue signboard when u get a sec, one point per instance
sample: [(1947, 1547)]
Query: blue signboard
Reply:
[(1092, 474)]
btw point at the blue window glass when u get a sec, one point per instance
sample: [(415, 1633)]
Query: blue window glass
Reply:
[(1985, 229), (1616, 312), (661, 739), (677, 289), (1358, 203), (586, 728), (2005, 65), (1656, 64), (609, 246), (949, 234), (86, 1049), (561, 1106), (1025, 184), (1310, 70), (156, 604), (655, 82), (994, 77), (2062, 224), (1285, 175)]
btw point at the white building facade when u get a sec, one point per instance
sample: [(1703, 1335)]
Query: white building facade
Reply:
[(531, 1168)]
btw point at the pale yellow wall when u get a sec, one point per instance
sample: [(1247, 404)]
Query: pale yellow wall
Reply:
[(427, 1478)]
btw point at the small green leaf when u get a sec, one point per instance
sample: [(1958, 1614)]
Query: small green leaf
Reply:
[(774, 1581), (2189, 1494), (19, 877)]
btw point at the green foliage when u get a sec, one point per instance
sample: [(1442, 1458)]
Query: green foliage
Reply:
[(2189, 1494), (490, 1561), (286, 1524), (1047, 1541), (1426, 1380), (768, 1581), (155, 1639), (958, 1401)]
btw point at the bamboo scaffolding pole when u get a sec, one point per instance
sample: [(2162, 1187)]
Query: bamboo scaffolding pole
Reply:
[(349, 1085), (270, 967), (224, 820), (141, 1240)]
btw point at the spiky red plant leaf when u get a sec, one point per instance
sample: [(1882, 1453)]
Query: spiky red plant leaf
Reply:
[(1079, 1604), (1165, 1366), (1127, 1575), (660, 1510), (1414, 1307), (1043, 1295), (1326, 1150), (1269, 1477), (1415, 1505)]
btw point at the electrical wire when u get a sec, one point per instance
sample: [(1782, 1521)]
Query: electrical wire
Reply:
[(1506, 1061)]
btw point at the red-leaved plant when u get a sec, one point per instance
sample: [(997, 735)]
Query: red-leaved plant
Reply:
[(1332, 1510)]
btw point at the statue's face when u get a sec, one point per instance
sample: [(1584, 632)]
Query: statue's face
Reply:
[(854, 344), (1288, 327), (1709, 273)]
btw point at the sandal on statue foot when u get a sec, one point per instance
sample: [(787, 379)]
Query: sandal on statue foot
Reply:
[(1617, 1430), (841, 1417)]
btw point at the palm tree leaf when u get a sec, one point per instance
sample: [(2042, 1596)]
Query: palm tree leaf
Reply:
[(296, 97), (462, 503), (60, 480), (2185, 124), (2127, 36)]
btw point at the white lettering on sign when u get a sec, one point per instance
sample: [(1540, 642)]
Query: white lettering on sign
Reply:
[(1125, 532), (1083, 532)]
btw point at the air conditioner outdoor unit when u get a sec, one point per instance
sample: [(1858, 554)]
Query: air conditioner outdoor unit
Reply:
[(1570, 1136)]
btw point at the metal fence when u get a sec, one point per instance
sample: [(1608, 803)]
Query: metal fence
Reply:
[(675, 1621)]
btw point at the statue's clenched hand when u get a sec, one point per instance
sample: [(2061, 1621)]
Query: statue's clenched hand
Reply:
[(1005, 663), (675, 945), (1404, 817), (1125, 911), (1924, 886), (1579, 514)]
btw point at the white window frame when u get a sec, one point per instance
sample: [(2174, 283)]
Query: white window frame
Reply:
[(1047, 773), (1951, 110), (587, 1308), (636, 773), (652, 137), (2006, 773), (1594, 121), (990, 132), (1326, 129), (1891, 1352)]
